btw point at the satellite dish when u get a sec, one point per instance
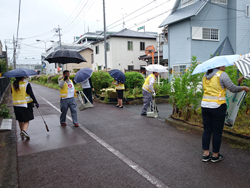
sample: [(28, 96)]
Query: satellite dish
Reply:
[(150, 51)]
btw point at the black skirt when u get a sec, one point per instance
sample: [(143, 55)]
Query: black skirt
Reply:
[(119, 93), (24, 114)]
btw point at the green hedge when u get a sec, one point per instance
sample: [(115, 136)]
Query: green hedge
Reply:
[(133, 79), (100, 80), (54, 80)]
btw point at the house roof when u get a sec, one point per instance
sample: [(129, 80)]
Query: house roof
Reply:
[(183, 13), (133, 34), (224, 49)]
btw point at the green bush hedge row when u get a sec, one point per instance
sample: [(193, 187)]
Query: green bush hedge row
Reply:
[(102, 79)]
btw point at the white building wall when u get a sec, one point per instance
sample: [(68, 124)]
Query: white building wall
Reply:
[(119, 57)]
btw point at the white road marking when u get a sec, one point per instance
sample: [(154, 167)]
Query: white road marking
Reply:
[(152, 179)]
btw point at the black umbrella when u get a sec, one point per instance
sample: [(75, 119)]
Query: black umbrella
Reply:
[(65, 56), (19, 73)]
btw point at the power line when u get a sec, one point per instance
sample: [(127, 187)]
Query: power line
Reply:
[(130, 13), (142, 14), (18, 22), (68, 27)]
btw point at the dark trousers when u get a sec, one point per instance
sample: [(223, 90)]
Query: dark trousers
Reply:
[(88, 93), (213, 123)]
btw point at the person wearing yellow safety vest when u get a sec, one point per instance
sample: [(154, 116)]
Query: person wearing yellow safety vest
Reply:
[(67, 94), (23, 100), (148, 91), (119, 90), (215, 82)]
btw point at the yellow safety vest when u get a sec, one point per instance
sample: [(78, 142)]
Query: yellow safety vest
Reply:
[(20, 96), (146, 83), (120, 86), (213, 91), (64, 90)]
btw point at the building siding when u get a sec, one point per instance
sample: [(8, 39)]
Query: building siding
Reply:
[(211, 16), (242, 28), (179, 45)]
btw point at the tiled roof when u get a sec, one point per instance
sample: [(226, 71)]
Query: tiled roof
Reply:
[(184, 13), (225, 48)]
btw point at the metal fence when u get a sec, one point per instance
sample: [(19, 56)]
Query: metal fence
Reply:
[(4, 82)]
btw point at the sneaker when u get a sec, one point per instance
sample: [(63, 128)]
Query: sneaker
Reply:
[(216, 159), (22, 135), (26, 135), (63, 124), (206, 158), (76, 124)]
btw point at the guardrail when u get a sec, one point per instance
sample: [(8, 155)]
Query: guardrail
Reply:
[(4, 83)]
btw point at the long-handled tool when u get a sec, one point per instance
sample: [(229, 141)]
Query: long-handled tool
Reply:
[(83, 105), (43, 120), (153, 113)]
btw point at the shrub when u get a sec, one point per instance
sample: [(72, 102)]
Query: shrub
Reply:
[(134, 79), (100, 80), (5, 111), (54, 80)]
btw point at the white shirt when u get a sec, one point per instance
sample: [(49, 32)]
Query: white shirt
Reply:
[(85, 84)]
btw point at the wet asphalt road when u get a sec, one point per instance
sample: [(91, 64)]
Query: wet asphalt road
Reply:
[(119, 148)]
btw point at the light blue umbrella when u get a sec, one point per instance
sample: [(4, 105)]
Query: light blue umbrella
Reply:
[(83, 75), (217, 61)]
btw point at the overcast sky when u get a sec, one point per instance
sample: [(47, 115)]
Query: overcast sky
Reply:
[(38, 19)]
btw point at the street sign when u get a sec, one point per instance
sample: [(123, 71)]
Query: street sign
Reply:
[(142, 27)]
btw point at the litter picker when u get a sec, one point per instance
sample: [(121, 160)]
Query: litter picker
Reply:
[(43, 120), (83, 105)]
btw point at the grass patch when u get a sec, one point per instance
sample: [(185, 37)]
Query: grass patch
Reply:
[(241, 126)]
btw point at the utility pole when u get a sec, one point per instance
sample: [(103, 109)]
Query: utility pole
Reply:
[(57, 30), (14, 53), (7, 64), (105, 42)]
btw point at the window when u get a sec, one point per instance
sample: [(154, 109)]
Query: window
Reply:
[(247, 10), (179, 69), (92, 58), (210, 34), (185, 3), (97, 50), (142, 45), (200, 33), (130, 67), (108, 46), (224, 2), (130, 45)]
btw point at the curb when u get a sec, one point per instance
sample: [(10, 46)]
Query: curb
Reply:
[(225, 137)]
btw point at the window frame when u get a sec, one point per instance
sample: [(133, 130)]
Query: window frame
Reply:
[(211, 33), (186, 3), (219, 2), (247, 10), (108, 46), (97, 51), (130, 66), (131, 45), (179, 70), (142, 44)]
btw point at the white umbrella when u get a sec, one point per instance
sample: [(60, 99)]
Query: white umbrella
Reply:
[(156, 68)]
